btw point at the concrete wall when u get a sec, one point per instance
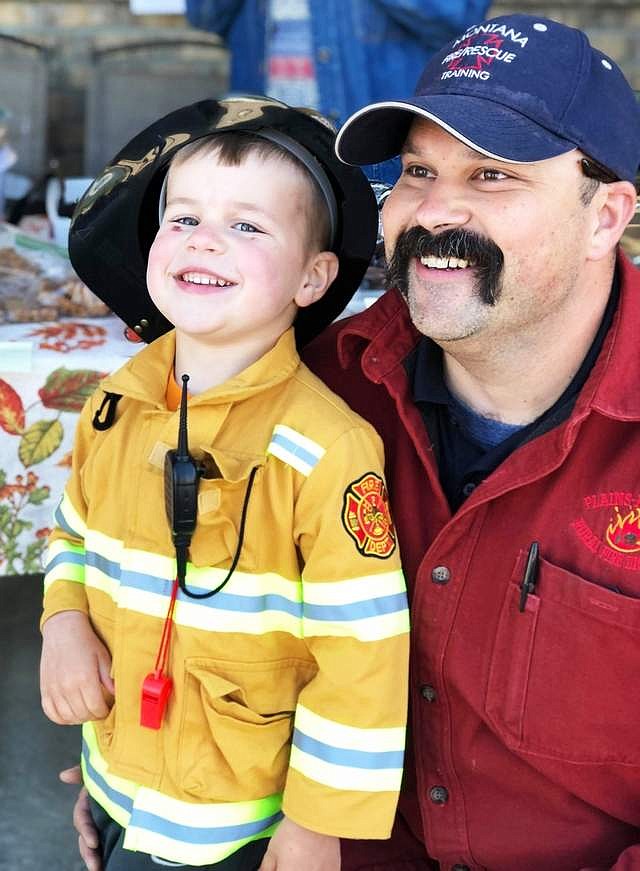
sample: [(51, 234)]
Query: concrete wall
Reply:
[(73, 30), (71, 33)]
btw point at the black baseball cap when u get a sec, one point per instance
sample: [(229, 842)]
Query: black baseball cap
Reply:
[(115, 222)]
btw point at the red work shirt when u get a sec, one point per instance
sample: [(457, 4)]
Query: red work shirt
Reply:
[(525, 724)]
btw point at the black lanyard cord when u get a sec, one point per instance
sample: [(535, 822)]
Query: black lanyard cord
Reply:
[(181, 557)]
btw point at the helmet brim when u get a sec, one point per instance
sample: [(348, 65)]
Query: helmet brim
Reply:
[(115, 222)]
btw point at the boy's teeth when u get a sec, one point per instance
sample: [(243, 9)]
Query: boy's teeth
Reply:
[(444, 262), (199, 278)]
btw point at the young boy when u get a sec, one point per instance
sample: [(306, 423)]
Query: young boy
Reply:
[(274, 678)]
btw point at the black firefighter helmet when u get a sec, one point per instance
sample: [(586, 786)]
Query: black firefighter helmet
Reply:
[(116, 220)]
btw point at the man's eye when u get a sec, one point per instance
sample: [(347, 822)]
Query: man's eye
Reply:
[(491, 175), (245, 227), (417, 171)]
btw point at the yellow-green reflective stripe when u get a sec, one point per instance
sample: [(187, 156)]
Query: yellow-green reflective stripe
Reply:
[(251, 603), (64, 562), (295, 449), (368, 629), (179, 851), (211, 619), (344, 777), (353, 589), (66, 516), (206, 826), (62, 546), (97, 580), (201, 814), (113, 793), (65, 572), (112, 550), (348, 737), (141, 582)]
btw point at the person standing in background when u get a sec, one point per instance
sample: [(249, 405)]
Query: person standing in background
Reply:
[(332, 55)]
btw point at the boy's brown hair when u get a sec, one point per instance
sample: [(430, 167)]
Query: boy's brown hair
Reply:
[(233, 148)]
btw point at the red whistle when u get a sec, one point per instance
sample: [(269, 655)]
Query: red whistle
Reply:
[(156, 689)]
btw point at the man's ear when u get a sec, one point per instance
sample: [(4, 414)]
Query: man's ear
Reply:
[(615, 204), (320, 274)]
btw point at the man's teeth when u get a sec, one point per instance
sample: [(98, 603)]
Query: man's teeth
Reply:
[(444, 262), (199, 278)]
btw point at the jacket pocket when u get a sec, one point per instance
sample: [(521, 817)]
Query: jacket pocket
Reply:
[(236, 726), (563, 680), (105, 730), (222, 495), (104, 628)]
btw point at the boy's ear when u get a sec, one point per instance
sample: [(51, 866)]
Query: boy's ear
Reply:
[(320, 274), (616, 203)]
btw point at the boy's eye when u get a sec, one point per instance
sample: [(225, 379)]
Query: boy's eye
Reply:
[(186, 220), (245, 227)]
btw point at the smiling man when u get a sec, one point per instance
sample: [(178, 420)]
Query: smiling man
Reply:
[(501, 370)]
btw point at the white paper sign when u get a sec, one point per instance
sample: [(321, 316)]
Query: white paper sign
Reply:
[(158, 7)]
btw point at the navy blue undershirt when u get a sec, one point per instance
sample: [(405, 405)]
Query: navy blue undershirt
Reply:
[(467, 446)]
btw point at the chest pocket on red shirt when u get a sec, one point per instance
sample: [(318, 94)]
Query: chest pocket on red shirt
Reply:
[(564, 681)]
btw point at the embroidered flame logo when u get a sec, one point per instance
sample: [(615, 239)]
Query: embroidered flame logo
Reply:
[(366, 516), (493, 40), (623, 533)]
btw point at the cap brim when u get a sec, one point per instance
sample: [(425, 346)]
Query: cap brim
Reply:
[(378, 132)]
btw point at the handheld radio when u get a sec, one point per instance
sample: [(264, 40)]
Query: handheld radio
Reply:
[(181, 480)]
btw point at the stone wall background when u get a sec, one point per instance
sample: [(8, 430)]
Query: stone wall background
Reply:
[(71, 31)]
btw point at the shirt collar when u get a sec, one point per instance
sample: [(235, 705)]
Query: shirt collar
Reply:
[(611, 388), (382, 336)]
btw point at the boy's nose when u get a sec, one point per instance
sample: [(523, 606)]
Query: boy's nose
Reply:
[(205, 238)]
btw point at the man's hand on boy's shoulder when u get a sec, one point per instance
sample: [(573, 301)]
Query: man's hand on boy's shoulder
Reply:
[(293, 847), (75, 681)]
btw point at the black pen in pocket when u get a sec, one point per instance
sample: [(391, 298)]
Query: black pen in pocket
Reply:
[(530, 575)]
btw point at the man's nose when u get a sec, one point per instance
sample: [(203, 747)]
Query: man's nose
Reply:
[(442, 206)]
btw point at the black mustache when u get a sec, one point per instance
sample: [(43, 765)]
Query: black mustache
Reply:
[(479, 251)]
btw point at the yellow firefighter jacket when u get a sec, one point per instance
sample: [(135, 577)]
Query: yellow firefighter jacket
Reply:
[(289, 688)]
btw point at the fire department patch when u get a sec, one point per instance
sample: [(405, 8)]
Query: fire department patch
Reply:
[(366, 516), (609, 526)]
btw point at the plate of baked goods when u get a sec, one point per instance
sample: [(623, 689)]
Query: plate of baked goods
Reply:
[(37, 281)]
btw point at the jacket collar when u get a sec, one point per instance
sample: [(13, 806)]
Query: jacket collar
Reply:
[(383, 336), (145, 376)]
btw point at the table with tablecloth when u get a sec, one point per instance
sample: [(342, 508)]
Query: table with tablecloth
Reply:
[(47, 371)]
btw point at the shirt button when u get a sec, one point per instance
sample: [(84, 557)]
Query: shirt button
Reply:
[(439, 794), (324, 54), (467, 490), (440, 575), (428, 693)]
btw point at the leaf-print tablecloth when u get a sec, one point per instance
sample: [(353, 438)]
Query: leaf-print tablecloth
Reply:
[(46, 373)]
